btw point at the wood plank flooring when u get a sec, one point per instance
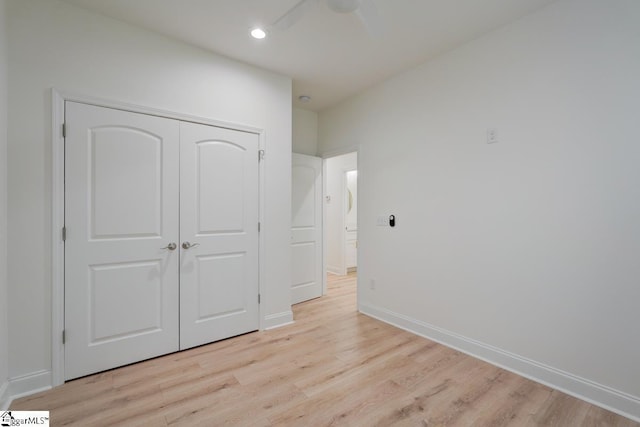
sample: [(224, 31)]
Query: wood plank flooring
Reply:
[(333, 367)]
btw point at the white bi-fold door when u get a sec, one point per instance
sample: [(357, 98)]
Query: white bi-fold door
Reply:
[(161, 236)]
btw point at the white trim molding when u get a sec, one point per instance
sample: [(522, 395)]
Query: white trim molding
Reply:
[(27, 384), (57, 244), (335, 270), (277, 320), (589, 391), (340, 151), (262, 208), (5, 398)]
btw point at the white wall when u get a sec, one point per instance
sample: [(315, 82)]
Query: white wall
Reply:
[(4, 340), (305, 132), (53, 44), (334, 170), (526, 251)]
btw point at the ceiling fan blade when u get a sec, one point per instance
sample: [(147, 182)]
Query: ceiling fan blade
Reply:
[(292, 16), (368, 14)]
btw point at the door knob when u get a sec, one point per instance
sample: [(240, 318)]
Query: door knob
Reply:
[(187, 245), (171, 247)]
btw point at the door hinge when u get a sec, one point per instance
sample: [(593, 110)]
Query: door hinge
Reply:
[(258, 298), (64, 130), (260, 155), (259, 227), (64, 234), (64, 336)]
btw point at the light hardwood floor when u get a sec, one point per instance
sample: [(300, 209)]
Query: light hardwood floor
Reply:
[(332, 367)]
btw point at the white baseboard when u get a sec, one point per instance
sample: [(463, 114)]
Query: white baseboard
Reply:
[(25, 385), (584, 389), (5, 397), (338, 271), (277, 320)]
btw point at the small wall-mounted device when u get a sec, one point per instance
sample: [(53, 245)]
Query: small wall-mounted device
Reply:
[(392, 220)]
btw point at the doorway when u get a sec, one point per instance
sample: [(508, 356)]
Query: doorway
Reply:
[(324, 227), (341, 214)]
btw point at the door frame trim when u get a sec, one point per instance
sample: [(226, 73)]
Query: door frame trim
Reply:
[(58, 99)]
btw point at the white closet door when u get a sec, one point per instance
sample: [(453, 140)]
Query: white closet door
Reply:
[(121, 213), (306, 228), (219, 233)]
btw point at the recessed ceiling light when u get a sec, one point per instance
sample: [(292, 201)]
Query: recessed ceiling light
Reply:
[(304, 98), (258, 33)]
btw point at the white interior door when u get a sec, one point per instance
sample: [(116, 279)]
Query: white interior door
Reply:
[(219, 233), (121, 216), (306, 228)]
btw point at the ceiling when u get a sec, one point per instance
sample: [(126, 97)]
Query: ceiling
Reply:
[(330, 56)]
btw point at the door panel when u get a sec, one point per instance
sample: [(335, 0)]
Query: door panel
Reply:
[(306, 228), (220, 177), (134, 192), (121, 210), (304, 255), (219, 216), (213, 273), (133, 288)]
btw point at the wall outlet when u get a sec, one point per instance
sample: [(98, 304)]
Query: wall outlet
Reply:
[(492, 135), (372, 284)]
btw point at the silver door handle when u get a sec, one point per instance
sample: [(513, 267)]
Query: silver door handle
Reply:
[(187, 245), (171, 247)]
